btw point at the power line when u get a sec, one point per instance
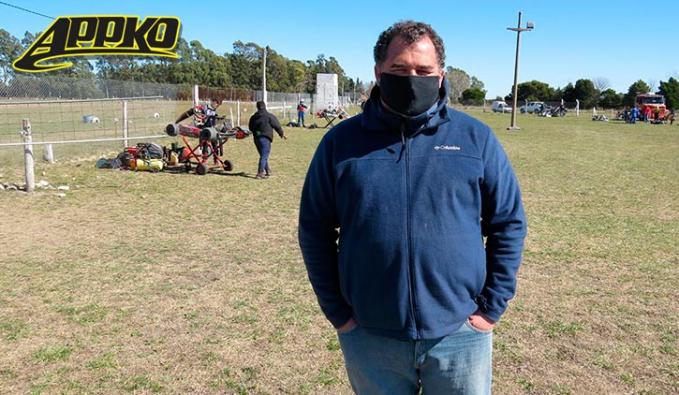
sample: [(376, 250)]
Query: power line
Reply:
[(26, 10)]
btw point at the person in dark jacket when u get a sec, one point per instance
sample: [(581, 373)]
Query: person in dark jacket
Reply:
[(262, 124), (393, 214)]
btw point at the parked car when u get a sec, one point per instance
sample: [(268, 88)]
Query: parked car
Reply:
[(533, 107), (500, 106)]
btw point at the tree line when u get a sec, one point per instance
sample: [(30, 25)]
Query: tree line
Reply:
[(596, 93), (241, 68)]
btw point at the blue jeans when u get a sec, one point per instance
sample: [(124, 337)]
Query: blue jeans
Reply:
[(300, 118), (263, 145), (460, 363)]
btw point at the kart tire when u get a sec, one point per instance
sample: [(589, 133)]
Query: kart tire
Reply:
[(201, 169), (228, 166)]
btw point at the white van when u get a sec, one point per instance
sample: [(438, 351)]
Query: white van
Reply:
[(500, 106)]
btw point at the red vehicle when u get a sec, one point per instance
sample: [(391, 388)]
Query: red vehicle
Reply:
[(656, 103)]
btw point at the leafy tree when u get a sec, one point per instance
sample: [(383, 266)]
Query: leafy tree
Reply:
[(10, 49), (635, 89), (569, 93), (459, 81), (670, 90), (473, 96), (609, 98), (533, 90), (476, 83), (586, 92)]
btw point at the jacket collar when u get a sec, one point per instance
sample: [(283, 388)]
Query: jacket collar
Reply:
[(377, 117)]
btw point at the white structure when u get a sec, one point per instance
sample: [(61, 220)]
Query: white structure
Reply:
[(327, 89)]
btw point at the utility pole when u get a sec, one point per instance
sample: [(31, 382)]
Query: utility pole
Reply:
[(518, 29), (264, 77)]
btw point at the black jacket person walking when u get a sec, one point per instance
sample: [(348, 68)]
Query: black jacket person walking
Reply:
[(262, 124)]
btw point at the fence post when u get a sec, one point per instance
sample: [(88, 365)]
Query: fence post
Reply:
[(125, 131), (195, 95), (285, 110), (238, 110), (49, 153), (28, 154)]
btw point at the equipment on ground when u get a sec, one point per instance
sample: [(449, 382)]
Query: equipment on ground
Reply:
[(331, 114), (553, 111), (210, 144)]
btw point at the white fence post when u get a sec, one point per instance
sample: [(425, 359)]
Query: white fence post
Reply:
[(28, 154), (195, 95), (48, 155), (125, 131), (238, 109)]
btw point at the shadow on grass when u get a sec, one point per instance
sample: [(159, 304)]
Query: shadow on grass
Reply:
[(182, 170)]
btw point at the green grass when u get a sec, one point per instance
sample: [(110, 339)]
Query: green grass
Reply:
[(175, 283)]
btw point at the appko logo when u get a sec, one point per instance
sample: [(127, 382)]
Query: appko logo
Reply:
[(95, 35)]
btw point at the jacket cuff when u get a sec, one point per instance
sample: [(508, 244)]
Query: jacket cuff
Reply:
[(489, 309), (340, 318)]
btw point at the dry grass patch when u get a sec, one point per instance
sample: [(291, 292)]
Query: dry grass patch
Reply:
[(175, 283)]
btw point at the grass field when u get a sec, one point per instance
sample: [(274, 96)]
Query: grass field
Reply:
[(175, 283)]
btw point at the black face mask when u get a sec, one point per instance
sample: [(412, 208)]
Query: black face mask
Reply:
[(409, 95)]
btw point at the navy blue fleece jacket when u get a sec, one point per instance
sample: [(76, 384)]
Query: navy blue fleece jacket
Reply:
[(393, 216)]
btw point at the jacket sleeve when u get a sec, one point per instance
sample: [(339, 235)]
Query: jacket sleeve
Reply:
[(251, 125), (276, 125), (504, 223), (318, 232), (185, 115)]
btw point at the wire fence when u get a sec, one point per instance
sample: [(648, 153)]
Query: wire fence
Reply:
[(540, 108), (62, 108), (103, 112)]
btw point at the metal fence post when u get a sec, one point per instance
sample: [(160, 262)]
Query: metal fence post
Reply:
[(125, 125), (195, 95), (28, 154), (238, 110)]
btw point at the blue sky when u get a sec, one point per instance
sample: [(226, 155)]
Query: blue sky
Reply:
[(621, 40)]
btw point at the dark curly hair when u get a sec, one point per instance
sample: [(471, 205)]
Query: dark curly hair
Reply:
[(410, 32)]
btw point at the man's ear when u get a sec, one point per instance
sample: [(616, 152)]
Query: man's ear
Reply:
[(378, 73), (441, 77)]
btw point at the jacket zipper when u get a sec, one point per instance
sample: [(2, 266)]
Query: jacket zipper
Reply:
[(411, 282)]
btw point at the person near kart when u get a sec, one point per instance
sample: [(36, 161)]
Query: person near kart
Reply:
[(262, 124), (301, 109), (634, 114), (204, 115)]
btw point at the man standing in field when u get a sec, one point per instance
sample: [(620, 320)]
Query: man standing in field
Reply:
[(413, 187), (262, 124)]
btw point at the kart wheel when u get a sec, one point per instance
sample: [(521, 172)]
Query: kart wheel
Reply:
[(228, 166), (201, 169), (187, 167)]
